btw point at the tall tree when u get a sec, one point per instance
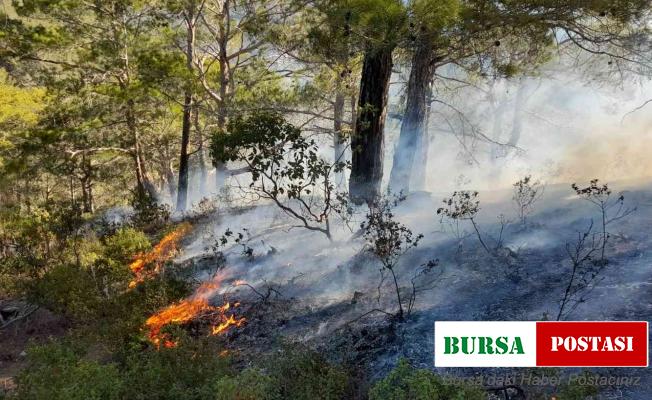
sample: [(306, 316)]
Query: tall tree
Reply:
[(454, 31), (191, 14), (379, 25), (96, 47)]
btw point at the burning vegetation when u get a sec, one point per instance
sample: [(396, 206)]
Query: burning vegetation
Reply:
[(163, 251), (197, 307)]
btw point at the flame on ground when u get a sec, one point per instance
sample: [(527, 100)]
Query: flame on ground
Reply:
[(163, 251), (195, 307)]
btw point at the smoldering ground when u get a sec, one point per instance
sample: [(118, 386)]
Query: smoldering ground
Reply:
[(569, 134)]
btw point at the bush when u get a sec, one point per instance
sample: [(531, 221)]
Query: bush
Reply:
[(301, 374), (188, 371), (148, 214), (286, 168), (66, 289), (250, 384), (125, 244), (408, 383), (57, 372)]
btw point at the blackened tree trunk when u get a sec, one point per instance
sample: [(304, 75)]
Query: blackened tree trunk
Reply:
[(367, 142), (182, 190), (413, 125)]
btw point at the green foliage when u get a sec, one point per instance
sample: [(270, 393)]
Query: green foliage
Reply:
[(380, 22), (148, 213), (67, 289), (435, 15), (125, 244), (58, 372), (408, 383), (575, 391), (188, 371), (250, 384), (302, 374), (285, 167)]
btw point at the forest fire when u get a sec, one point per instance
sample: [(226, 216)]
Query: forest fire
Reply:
[(163, 251), (196, 307)]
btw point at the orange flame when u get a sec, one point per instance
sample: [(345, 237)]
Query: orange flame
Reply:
[(163, 251), (230, 321), (192, 308)]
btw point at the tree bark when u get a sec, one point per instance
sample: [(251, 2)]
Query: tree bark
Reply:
[(339, 140), (420, 165), (413, 124), (144, 185), (203, 174), (367, 142), (519, 104), (86, 182), (182, 190), (224, 76)]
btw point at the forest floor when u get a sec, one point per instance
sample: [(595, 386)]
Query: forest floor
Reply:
[(37, 328), (325, 293), (328, 294)]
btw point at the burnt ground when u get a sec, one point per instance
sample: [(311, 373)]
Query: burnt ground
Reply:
[(38, 327), (326, 298), (326, 294)]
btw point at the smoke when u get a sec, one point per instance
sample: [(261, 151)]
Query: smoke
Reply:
[(570, 131)]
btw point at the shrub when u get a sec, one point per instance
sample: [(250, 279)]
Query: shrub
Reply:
[(124, 244), (286, 169), (301, 374), (407, 383), (148, 214), (526, 193), (57, 372), (463, 205), (188, 371), (389, 240), (66, 289), (250, 384)]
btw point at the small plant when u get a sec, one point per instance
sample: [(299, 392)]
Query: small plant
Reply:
[(240, 239), (611, 208), (388, 240), (584, 271), (423, 280), (526, 193), (463, 206), (587, 252)]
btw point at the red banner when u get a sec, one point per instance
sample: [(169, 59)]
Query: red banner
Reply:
[(592, 344)]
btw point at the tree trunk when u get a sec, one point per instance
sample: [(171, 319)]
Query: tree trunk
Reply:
[(413, 124), (224, 75), (144, 185), (86, 182), (203, 174), (182, 190), (339, 140), (498, 109), (367, 142), (519, 104), (420, 165)]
